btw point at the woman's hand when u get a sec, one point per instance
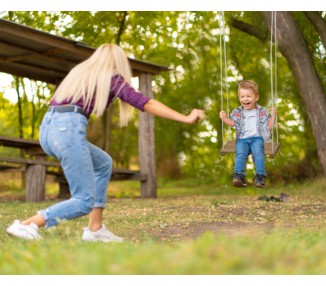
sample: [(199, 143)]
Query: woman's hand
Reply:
[(159, 109), (195, 115)]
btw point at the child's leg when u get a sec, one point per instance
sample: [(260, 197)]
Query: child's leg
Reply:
[(242, 152), (257, 149)]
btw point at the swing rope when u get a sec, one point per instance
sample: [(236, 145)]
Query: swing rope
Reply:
[(221, 74), (274, 75), (223, 61)]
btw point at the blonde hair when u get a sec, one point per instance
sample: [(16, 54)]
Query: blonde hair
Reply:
[(92, 79), (248, 84)]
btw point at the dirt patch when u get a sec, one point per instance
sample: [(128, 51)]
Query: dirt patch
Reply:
[(196, 230)]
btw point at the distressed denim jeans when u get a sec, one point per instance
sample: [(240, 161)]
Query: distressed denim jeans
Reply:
[(87, 168), (243, 148)]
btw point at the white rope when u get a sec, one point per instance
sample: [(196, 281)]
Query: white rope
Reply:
[(226, 76), (273, 72), (223, 61), (275, 61), (221, 75)]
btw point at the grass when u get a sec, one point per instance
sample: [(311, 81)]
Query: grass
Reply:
[(192, 228)]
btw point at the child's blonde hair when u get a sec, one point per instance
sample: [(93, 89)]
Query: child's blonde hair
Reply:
[(248, 84), (92, 79)]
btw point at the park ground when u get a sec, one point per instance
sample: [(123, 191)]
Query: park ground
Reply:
[(193, 227)]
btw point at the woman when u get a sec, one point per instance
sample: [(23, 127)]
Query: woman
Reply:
[(89, 88)]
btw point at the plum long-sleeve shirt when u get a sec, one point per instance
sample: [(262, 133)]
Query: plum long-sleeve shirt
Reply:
[(119, 88)]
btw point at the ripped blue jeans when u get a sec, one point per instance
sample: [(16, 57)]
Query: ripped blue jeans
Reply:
[(87, 168)]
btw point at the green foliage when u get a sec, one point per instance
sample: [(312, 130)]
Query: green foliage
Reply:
[(188, 42), (7, 110)]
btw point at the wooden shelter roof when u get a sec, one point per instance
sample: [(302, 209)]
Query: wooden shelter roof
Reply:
[(38, 55)]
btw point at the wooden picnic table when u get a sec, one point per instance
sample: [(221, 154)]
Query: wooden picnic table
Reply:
[(36, 165)]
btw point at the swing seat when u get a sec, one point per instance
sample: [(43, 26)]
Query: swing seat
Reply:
[(270, 148)]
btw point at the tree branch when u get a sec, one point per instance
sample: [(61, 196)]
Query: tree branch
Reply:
[(122, 26), (319, 23), (249, 29)]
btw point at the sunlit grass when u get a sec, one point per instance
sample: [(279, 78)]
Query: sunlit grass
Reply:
[(189, 229), (296, 253)]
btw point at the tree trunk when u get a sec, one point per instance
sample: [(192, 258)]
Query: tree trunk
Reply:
[(33, 111), (294, 49), (20, 109), (107, 116)]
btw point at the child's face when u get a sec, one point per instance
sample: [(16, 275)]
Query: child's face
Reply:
[(248, 98)]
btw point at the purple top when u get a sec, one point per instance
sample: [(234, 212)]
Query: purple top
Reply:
[(127, 94)]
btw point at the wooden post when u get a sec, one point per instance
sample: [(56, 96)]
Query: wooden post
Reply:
[(35, 176), (64, 191), (146, 142), (35, 183)]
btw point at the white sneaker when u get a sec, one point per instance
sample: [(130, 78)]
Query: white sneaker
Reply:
[(29, 231), (102, 234)]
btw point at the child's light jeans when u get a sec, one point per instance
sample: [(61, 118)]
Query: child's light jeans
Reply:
[(243, 148)]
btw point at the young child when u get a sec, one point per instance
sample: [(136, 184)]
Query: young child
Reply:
[(253, 126)]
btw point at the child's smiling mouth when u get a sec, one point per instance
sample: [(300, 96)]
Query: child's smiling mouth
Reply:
[(246, 104)]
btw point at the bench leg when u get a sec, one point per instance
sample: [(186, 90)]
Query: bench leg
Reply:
[(64, 191), (35, 183)]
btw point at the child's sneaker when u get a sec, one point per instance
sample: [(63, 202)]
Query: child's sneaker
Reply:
[(29, 231), (103, 235), (239, 180), (260, 181)]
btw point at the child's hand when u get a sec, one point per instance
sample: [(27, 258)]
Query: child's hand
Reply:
[(274, 111), (226, 119), (223, 115)]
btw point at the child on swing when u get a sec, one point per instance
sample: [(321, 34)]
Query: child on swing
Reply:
[(253, 124)]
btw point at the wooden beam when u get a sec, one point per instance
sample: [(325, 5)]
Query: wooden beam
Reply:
[(31, 35), (29, 71), (17, 35), (25, 161), (147, 142)]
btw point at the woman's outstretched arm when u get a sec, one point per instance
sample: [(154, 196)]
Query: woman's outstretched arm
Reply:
[(159, 109)]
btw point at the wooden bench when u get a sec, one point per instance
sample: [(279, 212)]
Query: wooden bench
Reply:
[(36, 165)]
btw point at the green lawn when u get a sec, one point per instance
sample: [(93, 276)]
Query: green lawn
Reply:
[(191, 228)]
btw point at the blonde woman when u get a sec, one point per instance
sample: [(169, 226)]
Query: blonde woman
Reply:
[(89, 88)]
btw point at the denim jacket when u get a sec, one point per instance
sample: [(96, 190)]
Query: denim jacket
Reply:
[(262, 114)]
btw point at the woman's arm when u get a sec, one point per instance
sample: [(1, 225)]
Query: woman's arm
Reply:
[(159, 109)]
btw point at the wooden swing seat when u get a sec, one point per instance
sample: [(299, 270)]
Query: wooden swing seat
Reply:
[(270, 148)]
